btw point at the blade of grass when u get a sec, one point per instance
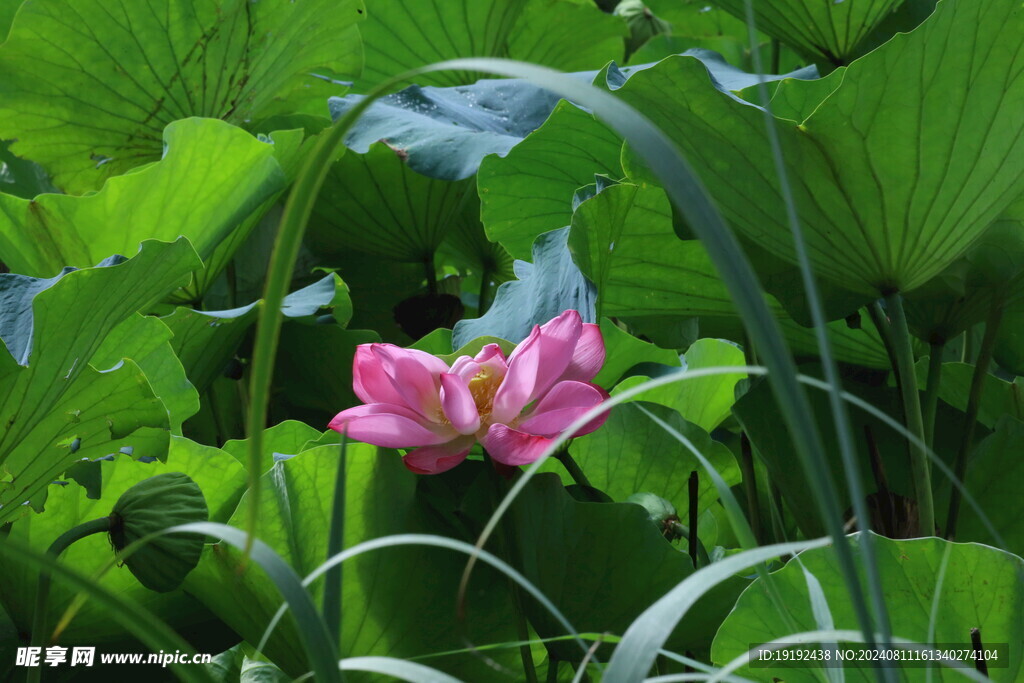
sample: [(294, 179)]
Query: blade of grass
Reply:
[(438, 542), (135, 619), (397, 668), (321, 651), (840, 416), (635, 653)]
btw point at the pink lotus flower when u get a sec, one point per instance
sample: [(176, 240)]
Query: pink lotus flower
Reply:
[(514, 406)]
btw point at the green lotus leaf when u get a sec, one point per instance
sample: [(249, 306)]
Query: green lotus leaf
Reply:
[(994, 479), (529, 191), (632, 454), (205, 341), (892, 174), (422, 213), (824, 30), (56, 408), (119, 72), (147, 341), (602, 564), (544, 288), (624, 351), (935, 592), (704, 401), (990, 275), (563, 34), (223, 171)]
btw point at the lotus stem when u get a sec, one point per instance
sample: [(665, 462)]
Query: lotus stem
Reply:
[(903, 355), (930, 402), (335, 544), (988, 343), (573, 469), (95, 526)]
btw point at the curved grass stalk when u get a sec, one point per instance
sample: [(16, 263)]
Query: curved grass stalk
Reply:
[(135, 619), (634, 655), (438, 542), (840, 416)]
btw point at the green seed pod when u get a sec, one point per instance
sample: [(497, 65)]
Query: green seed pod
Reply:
[(642, 23), (153, 505)]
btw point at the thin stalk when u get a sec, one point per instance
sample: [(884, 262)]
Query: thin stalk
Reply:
[(485, 286), (750, 486), (904, 368), (508, 543), (988, 342), (881, 323), (573, 469), (694, 488), (335, 544), (930, 402), (552, 676), (776, 55), (430, 271), (95, 526)]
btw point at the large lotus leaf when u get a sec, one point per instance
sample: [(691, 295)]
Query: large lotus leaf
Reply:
[(631, 454), (118, 72), (994, 473), (894, 171), (819, 28), (704, 401), (980, 587), (563, 34), (623, 351), (284, 438), (603, 564), (622, 240), (212, 177), (529, 191), (55, 408), (146, 341), (206, 340), (446, 132), (398, 602), (419, 213), (544, 288), (222, 481), (991, 274)]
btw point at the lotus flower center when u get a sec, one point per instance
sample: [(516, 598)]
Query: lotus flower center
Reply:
[(483, 387)]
